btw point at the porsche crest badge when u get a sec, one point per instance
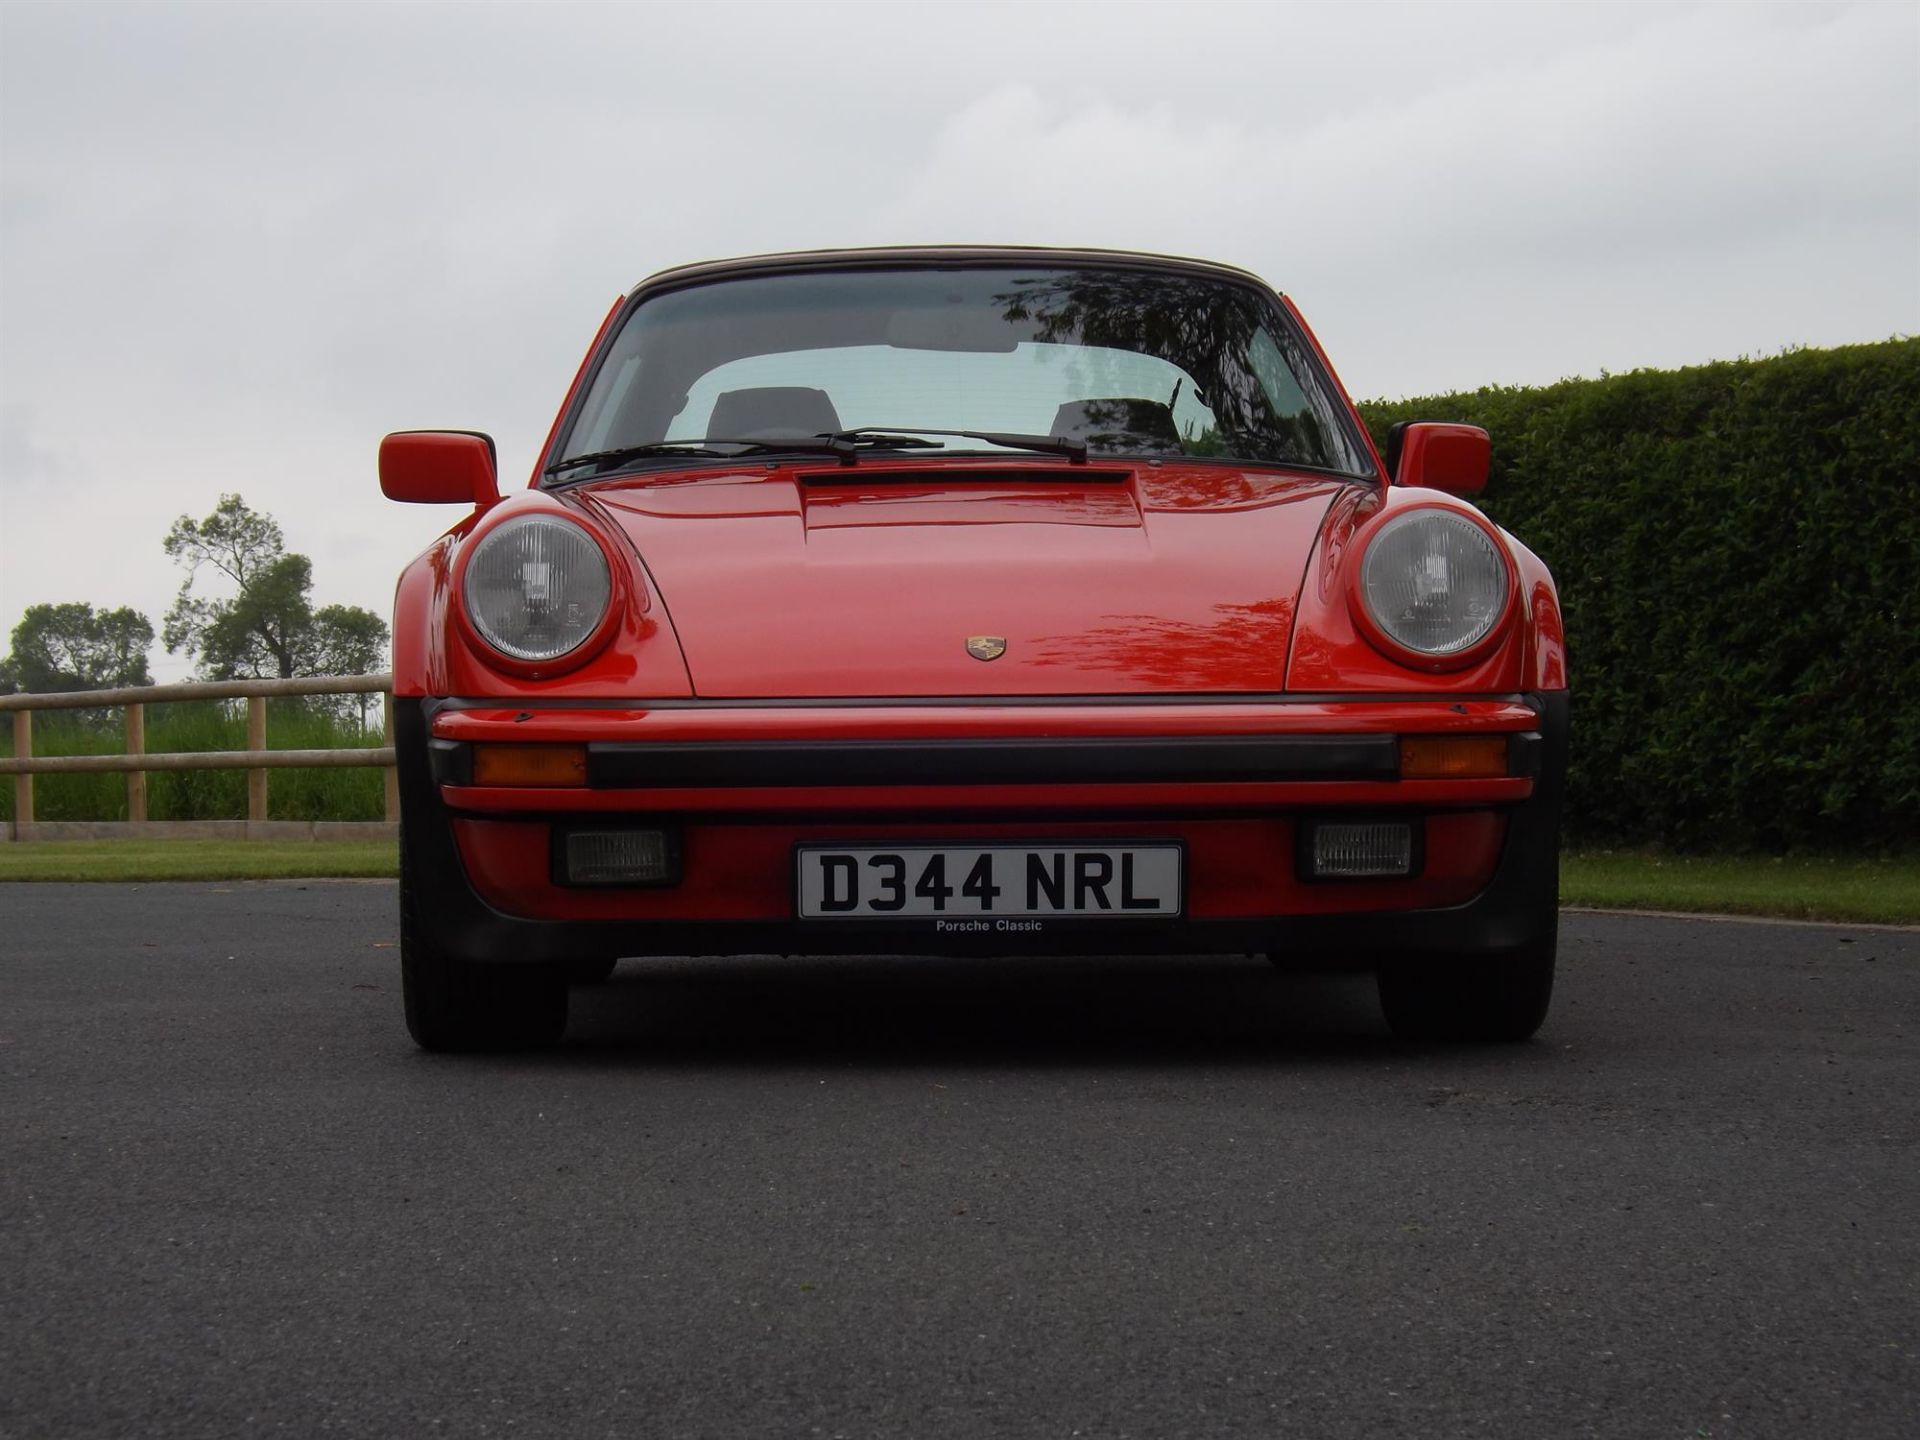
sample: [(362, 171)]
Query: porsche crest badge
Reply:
[(986, 647)]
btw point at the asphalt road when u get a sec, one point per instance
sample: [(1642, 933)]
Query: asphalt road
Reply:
[(1183, 1197)]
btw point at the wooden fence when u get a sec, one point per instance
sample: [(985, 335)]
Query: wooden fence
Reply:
[(257, 760)]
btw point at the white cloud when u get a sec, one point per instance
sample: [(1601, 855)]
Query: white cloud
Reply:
[(240, 242), (1520, 222)]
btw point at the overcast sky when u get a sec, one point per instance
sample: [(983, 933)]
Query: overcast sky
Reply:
[(240, 243)]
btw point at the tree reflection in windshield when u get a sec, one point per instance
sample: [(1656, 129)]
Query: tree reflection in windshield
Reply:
[(1212, 331)]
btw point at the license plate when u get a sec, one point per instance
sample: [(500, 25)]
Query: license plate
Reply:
[(983, 882)]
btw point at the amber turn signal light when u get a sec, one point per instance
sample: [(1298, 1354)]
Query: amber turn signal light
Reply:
[(529, 764), (1453, 757)]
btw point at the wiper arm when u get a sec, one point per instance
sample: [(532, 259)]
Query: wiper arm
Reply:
[(1074, 450), (874, 437)]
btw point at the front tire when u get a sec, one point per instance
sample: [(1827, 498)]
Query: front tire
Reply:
[(1502, 998), (456, 1005), (590, 972)]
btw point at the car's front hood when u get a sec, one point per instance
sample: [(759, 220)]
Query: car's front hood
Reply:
[(814, 581)]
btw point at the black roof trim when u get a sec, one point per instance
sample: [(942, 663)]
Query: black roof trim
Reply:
[(895, 256)]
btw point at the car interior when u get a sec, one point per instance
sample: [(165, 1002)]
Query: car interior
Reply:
[(1116, 423)]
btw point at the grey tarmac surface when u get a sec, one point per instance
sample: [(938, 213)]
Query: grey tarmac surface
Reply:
[(762, 1197)]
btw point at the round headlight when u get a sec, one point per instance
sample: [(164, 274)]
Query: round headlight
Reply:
[(1434, 582), (537, 587)]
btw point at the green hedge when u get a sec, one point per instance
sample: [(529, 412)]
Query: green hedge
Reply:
[(1736, 548)]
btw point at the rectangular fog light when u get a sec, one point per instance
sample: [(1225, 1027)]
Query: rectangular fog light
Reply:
[(619, 857), (1356, 850)]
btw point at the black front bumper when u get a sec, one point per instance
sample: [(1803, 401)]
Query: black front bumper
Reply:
[(1517, 911)]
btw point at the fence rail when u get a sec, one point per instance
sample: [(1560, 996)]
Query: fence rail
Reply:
[(138, 762)]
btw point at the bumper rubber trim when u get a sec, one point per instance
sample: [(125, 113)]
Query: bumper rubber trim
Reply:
[(1161, 759)]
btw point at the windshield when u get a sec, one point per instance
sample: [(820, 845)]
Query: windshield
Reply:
[(1128, 362)]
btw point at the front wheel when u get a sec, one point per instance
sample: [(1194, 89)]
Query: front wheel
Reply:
[(1502, 998), (456, 1005)]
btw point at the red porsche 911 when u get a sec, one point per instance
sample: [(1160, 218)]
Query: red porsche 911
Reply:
[(971, 601)]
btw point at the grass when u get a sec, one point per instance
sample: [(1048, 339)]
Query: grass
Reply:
[(1796, 887), (145, 860), (1800, 888)]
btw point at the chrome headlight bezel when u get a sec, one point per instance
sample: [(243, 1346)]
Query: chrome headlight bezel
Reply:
[(1471, 641), (605, 588)]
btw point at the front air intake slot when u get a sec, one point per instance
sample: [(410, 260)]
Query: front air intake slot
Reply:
[(864, 474)]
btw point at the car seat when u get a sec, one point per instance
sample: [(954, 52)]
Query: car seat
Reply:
[(772, 412)]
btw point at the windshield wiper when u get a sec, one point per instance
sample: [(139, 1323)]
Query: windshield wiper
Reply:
[(804, 444), (1074, 450), (845, 444)]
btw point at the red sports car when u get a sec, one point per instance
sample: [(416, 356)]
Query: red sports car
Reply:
[(971, 601)]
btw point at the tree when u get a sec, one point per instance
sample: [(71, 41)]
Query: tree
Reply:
[(269, 626), (75, 647)]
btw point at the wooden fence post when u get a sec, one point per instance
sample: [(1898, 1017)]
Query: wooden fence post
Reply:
[(256, 740), (392, 772), (22, 784), (137, 779)]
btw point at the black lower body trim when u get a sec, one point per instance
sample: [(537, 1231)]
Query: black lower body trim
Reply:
[(1517, 910)]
